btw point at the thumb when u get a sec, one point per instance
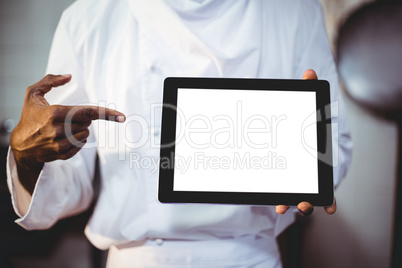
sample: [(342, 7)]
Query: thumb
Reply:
[(47, 83), (310, 74)]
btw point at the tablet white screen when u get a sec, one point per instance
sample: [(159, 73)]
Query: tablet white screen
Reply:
[(245, 141)]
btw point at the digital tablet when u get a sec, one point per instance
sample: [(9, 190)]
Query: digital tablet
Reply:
[(246, 141)]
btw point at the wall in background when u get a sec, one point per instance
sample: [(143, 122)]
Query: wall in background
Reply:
[(336, 11), (26, 32)]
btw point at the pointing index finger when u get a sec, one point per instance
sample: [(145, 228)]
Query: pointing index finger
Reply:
[(89, 113)]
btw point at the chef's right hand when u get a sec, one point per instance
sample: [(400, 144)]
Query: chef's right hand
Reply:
[(40, 135)]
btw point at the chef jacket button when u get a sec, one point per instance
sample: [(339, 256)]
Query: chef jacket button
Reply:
[(159, 241), (152, 68)]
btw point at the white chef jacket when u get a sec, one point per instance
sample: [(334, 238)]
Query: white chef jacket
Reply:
[(119, 52)]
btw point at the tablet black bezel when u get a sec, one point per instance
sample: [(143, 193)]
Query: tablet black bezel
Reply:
[(325, 196)]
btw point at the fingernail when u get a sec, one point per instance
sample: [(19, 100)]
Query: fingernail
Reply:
[(120, 118), (66, 75)]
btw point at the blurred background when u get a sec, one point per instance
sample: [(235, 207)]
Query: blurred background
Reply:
[(360, 234)]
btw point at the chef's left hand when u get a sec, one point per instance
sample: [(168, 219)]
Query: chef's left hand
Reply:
[(305, 208)]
